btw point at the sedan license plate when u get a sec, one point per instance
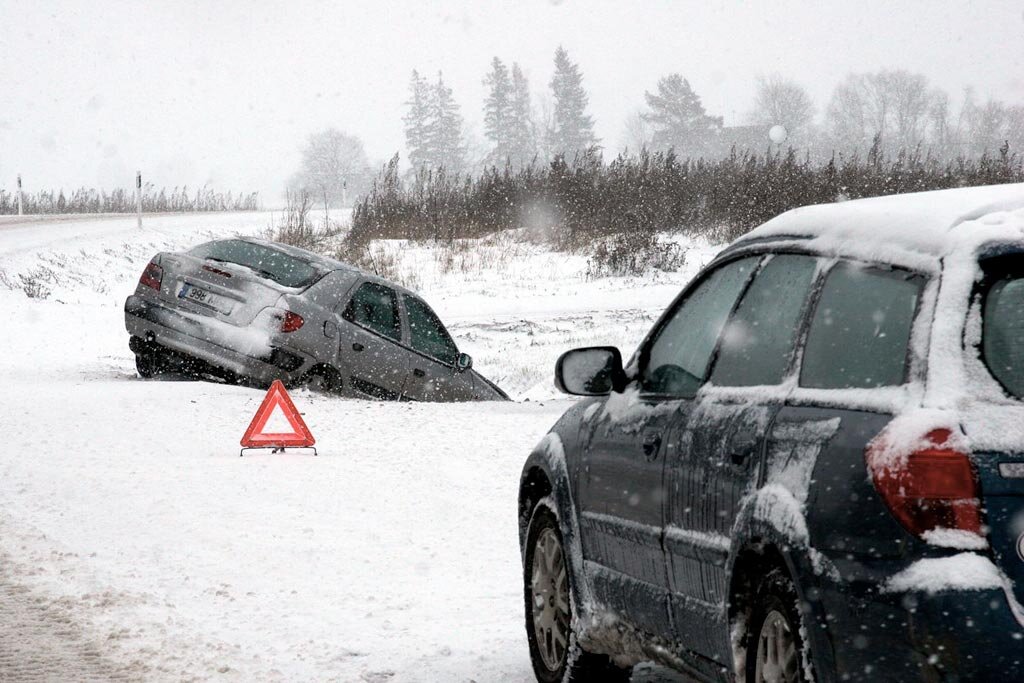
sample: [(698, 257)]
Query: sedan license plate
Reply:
[(201, 296)]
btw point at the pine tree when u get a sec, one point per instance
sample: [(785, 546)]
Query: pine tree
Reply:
[(679, 119), (573, 130), (498, 112), (417, 122), (522, 139), (444, 129)]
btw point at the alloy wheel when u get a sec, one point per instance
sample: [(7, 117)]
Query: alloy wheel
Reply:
[(777, 658), (549, 588)]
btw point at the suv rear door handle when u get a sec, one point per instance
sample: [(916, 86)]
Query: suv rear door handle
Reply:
[(419, 373), (356, 346)]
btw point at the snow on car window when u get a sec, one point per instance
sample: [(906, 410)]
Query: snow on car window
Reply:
[(267, 262)]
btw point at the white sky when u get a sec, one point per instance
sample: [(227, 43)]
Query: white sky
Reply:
[(226, 91)]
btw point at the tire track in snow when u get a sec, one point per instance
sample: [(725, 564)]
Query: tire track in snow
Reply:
[(39, 642)]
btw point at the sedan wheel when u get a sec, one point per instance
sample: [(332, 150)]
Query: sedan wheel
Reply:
[(778, 660)]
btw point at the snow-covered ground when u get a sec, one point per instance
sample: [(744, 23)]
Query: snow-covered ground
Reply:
[(129, 524)]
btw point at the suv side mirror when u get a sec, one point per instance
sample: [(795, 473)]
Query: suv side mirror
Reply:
[(591, 371), (464, 362)]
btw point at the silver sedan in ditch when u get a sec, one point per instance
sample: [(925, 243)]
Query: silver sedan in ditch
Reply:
[(254, 311)]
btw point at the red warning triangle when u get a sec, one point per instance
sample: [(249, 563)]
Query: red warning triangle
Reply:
[(277, 403)]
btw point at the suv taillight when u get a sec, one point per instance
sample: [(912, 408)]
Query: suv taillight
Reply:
[(291, 322), (932, 487), (152, 276)]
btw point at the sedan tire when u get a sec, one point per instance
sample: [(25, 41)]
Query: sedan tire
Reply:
[(150, 363)]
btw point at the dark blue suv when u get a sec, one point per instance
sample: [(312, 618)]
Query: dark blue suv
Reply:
[(811, 469)]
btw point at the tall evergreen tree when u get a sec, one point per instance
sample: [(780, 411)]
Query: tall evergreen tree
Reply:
[(573, 129), (522, 137), (417, 122), (498, 112), (444, 129), (679, 120)]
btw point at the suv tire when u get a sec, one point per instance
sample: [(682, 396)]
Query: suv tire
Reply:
[(550, 619), (775, 645)]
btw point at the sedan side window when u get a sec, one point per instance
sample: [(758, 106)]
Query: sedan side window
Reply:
[(427, 334), (758, 341), (375, 307), (677, 359), (861, 328)]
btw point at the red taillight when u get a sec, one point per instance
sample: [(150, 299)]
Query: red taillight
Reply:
[(933, 487), (152, 276), (291, 322)]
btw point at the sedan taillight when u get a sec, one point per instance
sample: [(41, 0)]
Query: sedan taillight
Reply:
[(152, 276), (291, 322)]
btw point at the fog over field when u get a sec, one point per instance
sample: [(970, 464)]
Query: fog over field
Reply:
[(225, 93)]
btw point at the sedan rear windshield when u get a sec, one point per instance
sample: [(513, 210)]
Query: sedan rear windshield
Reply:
[(1002, 333), (265, 261)]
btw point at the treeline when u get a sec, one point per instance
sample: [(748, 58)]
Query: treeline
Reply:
[(84, 200), (575, 202)]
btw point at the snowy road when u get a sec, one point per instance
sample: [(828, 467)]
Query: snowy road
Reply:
[(135, 542)]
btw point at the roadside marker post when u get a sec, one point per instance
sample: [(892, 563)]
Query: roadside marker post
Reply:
[(138, 198), (20, 209), (277, 402)]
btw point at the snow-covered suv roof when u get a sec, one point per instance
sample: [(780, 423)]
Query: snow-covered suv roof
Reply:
[(924, 223)]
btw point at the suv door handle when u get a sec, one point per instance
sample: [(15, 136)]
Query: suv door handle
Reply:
[(651, 445), (356, 346), (419, 373)]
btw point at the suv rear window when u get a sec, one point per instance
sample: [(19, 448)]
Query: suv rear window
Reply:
[(265, 261), (1002, 331), (861, 328)]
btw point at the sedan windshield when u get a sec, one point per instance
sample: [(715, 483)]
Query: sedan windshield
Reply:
[(266, 261)]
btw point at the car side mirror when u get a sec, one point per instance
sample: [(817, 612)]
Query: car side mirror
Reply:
[(590, 371), (463, 362)]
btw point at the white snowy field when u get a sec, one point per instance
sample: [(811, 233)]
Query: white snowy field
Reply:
[(128, 520)]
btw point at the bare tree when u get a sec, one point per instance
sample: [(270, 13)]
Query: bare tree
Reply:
[(895, 106), (334, 165), (545, 118), (782, 102), (637, 133)]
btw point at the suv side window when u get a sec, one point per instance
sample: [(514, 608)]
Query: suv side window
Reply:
[(427, 334), (758, 341), (861, 328), (375, 307), (676, 361)]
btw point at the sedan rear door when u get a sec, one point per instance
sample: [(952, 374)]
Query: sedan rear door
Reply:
[(374, 362)]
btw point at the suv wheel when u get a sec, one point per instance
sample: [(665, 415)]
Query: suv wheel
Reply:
[(775, 648), (550, 621)]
